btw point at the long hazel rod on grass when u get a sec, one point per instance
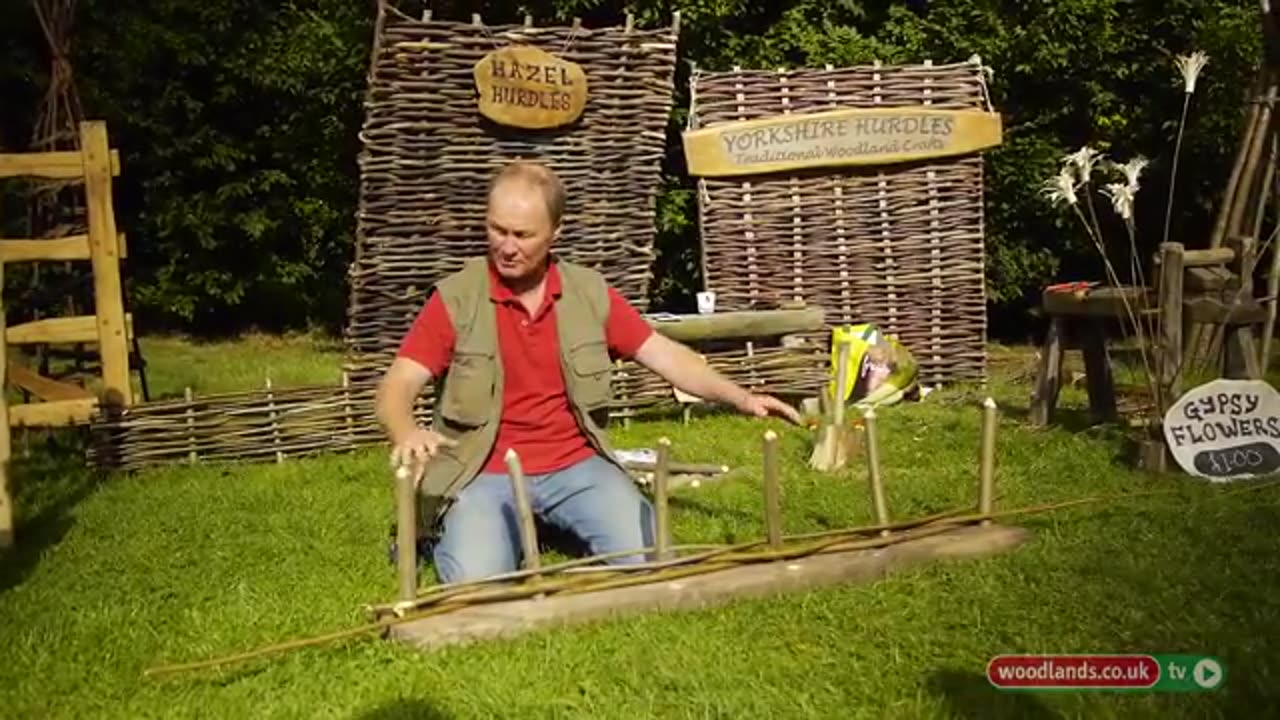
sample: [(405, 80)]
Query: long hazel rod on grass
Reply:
[(949, 522)]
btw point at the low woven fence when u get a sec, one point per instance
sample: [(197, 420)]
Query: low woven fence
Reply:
[(898, 245), (274, 424), (428, 155)]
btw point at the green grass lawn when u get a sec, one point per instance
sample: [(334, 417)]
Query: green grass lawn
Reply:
[(119, 574)]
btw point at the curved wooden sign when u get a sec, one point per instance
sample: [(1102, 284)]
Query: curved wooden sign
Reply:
[(871, 136), (527, 87)]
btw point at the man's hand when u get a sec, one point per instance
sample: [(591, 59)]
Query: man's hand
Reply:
[(762, 405), (416, 449), (683, 368)]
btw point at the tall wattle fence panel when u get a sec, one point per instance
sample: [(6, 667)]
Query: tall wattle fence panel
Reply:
[(428, 153), (897, 244)]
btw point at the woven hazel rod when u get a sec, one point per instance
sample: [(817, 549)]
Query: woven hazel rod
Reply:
[(524, 516), (873, 470), (191, 424), (986, 473), (772, 503), (660, 511)]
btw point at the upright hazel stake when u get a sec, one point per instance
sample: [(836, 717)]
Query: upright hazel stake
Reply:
[(661, 517), (524, 515), (873, 470), (986, 472), (406, 533), (772, 502)]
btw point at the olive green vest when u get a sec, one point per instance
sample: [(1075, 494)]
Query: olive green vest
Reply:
[(468, 404)]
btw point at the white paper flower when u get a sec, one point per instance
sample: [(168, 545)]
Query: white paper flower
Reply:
[(1121, 199), (1061, 189), (1132, 171), (1083, 160), (1190, 66)]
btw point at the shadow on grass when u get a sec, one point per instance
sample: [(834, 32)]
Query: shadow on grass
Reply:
[(970, 695), (403, 710), (46, 487)]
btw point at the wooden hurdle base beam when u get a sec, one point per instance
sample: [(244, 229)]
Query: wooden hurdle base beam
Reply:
[(509, 619)]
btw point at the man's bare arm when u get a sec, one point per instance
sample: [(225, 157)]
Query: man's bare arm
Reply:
[(681, 366), (393, 404)]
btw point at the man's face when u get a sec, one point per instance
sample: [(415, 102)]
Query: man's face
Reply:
[(519, 229)]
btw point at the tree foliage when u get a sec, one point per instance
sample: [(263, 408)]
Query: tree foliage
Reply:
[(238, 123)]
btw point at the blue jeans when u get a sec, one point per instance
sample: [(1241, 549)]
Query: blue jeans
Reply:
[(594, 500)]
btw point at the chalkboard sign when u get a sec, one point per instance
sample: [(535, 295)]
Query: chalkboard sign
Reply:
[(1226, 429)]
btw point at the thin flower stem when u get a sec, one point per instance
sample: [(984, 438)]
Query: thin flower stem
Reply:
[(1173, 173), (1153, 383), (1093, 214)]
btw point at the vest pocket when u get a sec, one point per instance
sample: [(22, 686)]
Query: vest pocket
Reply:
[(468, 390), (592, 374)]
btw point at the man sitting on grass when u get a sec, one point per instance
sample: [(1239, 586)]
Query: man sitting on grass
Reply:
[(528, 342)]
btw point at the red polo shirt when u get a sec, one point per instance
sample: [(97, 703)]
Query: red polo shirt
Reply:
[(536, 419)]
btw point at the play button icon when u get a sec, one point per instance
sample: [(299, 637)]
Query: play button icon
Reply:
[(1207, 673)]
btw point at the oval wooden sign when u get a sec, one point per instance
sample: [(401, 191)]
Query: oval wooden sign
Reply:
[(1226, 429), (527, 87)]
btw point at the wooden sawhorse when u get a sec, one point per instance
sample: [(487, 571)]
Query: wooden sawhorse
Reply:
[(1076, 319)]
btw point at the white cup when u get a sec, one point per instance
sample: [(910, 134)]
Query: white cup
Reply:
[(706, 302)]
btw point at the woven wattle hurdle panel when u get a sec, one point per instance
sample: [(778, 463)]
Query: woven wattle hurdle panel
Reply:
[(428, 154), (273, 424), (898, 245)]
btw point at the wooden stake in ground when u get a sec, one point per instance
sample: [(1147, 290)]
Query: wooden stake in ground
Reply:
[(772, 502), (836, 441), (407, 533), (661, 521), (524, 515), (873, 471), (987, 460)]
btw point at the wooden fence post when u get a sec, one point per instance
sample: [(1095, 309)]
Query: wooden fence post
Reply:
[(6, 501), (104, 252), (1170, 360), (1240, 353)]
